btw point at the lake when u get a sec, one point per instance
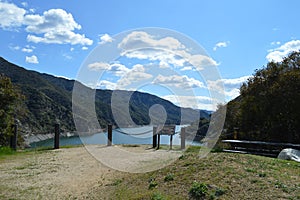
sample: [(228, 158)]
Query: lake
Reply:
[(140, 135)]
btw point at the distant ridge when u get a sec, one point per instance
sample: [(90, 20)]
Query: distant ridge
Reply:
[(49, 100)]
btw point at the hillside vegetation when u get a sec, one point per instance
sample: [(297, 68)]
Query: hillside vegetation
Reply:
[(268, 107)]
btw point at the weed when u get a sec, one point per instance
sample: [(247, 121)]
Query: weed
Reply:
[(198, 190), (152, 185), (157, 196), (169, 177)]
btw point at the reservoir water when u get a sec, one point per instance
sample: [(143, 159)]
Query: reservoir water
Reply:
[(140, 135)]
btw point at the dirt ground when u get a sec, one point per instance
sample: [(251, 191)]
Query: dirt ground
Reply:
[(73, 173), (56, 174)]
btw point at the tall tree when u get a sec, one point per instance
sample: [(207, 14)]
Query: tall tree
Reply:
[(10, 100)]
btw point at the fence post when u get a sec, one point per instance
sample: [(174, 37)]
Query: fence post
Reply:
[(154, 137), (56, 136), (13, 138), (109, 135), (171, 141), (182, 136)]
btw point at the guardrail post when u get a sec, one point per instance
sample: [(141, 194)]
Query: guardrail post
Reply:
[(56, 136), (154, 143), (182, 136), (109, 135)]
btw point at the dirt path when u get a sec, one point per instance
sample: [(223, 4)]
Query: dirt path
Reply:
[(56, 174), (75, 173)]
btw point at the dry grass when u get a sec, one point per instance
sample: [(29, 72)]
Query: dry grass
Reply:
[(228, 176)]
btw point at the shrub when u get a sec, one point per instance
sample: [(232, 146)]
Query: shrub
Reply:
[(198, 190), (169, 177), (152, 184)]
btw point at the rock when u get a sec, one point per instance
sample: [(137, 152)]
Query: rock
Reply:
[(289, 154)]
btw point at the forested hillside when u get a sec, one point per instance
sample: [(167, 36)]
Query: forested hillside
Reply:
[(268, 108)]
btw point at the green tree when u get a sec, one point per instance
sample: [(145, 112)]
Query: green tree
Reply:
[(268, 106), (10, 99)]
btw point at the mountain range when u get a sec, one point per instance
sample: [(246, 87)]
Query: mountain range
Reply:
[(48, 100)]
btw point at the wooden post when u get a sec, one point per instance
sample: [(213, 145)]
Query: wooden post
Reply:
[(56, 136), (109, 135), (154, 143), (158, 140), (182, 136), (13, 138), (171, 141)]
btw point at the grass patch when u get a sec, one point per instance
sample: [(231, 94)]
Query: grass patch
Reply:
[(217, 176)]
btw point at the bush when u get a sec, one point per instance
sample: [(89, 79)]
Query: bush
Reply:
[(198, 190), (152, 184), (169, 177)]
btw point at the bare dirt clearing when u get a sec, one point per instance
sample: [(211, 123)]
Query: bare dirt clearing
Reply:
[(75, 173), (56, 174)]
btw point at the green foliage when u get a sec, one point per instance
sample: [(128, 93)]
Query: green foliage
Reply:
[(198, 190), (10, 98), (152, 184), (169, 177), (268, 108), (157, 196), (6, 151)]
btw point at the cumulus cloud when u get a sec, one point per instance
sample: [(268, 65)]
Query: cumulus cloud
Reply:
[(141, 39), (229, 86), (279, 53), (32, 59), (169, 50), (135, 75), (104, 84), (105, 38), (196, 102), (53, 26), (220, 45), (178, 81), (115, 68), (11, 16)]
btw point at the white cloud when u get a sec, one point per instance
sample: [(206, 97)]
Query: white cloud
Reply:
[(140, 39), (132, 77), (183, 82), (11, 16), (105, 38), (98, 66), (27, 50), (167, 50), (84, 48), (230, 87), (115, 68), (24, 4), (104, 84), (31, 59), (53, 26), (275, 43), (220, 45), (196, 102), (279, 53)]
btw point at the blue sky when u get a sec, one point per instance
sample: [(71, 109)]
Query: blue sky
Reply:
[(56, 37)]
